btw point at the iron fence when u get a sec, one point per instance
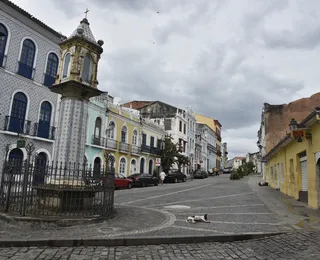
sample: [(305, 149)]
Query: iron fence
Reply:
[(34, 187)]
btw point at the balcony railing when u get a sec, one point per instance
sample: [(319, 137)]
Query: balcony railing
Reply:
[(17, 125), (48, 80), (154, 150), (44, 130), (25, 70), (145, 148), (104, 142), (112, 144), (135, 149), (124, 147)]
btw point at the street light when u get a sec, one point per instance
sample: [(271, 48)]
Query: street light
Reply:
[(293, 125)]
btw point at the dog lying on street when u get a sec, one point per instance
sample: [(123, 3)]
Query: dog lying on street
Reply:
[(195, 219)]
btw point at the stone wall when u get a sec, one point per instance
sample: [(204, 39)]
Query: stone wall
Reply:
[(277, 117)]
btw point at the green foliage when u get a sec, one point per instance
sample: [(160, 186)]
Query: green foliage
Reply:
[(234, 175), (248, 168), (171, 155)]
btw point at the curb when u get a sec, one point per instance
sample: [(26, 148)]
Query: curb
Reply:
[(132, 241)]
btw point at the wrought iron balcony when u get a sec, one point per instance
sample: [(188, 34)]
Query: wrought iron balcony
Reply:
[(112, 144), (154, 150), (97, 140), (124, 147), (135, 149), (44, 130), (25, 70), (17, 125), (48, 80), (145, 148)]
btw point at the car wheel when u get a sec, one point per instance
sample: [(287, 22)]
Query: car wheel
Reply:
[(175, 180), (184, 179), (143, 184), (129, 185), (156, 184)]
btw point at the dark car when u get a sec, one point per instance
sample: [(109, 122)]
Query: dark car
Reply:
[(227, 170), (143, 179), (175, 176), (199, 174)]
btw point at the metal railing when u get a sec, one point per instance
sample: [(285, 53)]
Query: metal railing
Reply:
[(154, 150), (40, 188), (25, 70), (44, 130), (145, 148), (17, 125), (135, 149), (49, 80), (124, 147)]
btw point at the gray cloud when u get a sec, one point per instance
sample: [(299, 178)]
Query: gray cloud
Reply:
[(223, 58)]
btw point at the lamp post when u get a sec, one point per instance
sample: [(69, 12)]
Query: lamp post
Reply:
[(260, 151)]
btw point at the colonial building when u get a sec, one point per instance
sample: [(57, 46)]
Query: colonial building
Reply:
[(133, 140), (274, 118), (29, 57), (216, 127), (209, 152), (236, 162), (173, 119), (191, 135), (293, 164)]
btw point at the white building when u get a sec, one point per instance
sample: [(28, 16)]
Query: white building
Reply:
[(262, 146), (191, 135)]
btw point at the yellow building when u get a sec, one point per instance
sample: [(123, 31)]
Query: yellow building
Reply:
[(293, 164), (216, 127), (132, 141)]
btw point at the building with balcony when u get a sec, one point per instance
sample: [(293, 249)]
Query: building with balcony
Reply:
[(174, 120), (191, 135), (133, 141), (224, 157), (29, 58), (209, 152)]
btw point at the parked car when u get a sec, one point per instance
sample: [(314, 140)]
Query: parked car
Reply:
[(200, 174), (121, 181), (143, 179), (175, 176), (227, 170)]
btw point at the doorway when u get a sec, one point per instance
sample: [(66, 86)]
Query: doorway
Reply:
[(133, 166), (142, 162)]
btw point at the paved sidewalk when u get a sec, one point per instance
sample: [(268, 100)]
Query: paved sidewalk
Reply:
[(293, 212)]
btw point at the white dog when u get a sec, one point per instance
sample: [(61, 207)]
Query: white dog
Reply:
[(194, 219)]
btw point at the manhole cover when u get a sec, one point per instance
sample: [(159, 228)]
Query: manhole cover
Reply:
[(177, 207)]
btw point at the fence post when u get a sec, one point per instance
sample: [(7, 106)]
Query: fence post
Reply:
[(29, 148)]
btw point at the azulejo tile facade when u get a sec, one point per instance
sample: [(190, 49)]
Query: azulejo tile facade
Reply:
[(293, 165), (29, 54)]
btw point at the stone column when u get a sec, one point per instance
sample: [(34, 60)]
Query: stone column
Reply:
[(71, 134)]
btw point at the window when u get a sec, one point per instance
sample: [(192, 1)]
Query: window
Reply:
[(87, 69), (18, 113), (97, 131), (124, 134), (142, 162), (96, 167), (3, 43), (134, 137), (111, 130), (150, 167), (180, 126), (16, 156), (122, 166), (66, 64), (184, 129), (151, 141), (144, 139), (27, 59), (51, 71), (44, 120)]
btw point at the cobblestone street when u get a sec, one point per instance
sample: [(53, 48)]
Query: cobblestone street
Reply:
[(296, 245)]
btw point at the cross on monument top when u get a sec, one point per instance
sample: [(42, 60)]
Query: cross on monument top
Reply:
[(86, 12)]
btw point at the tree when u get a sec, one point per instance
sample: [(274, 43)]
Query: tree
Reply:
[(181, 160), (169, 154)]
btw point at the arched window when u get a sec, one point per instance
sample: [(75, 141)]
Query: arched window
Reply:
[(44, 120), (51, 71), (150, 166), (87, 69), (133, 166), (135, 137), (16, 156), (111, 130), (27, 59), (66, 64), (18, 113), (97, 131), (122, 166), (124, 134), (3, 42)]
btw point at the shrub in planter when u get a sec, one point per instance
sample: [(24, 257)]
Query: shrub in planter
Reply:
[(240, 172), (234, 176)]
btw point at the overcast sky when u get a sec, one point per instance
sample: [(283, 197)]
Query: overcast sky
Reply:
[(225, 58)]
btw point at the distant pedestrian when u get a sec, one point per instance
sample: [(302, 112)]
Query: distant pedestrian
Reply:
[(162, 176)]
